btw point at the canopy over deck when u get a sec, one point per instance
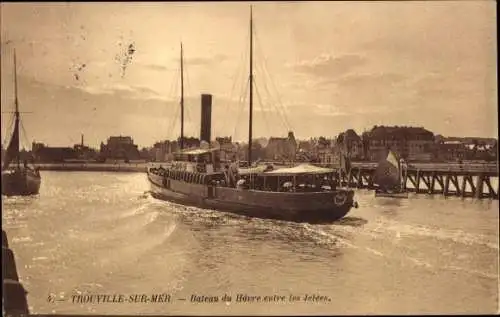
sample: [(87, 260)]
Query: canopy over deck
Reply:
[(301, 169), (252, 170), (196, 151)]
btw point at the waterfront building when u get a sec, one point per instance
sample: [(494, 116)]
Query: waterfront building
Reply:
[(451, 150), (281, 148), (466, 148), (84, 152), (410, 143), (329, 156), (351, 144), (46, 154), (162, 151), (120, 147), (229, 150), (305, 146)]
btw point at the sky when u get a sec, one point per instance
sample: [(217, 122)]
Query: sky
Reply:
[(319, 68)]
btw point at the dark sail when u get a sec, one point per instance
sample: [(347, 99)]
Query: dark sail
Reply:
[(23, 180), (13, 148), (388, 175)]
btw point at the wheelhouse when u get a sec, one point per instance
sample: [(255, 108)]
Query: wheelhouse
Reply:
[(198, 160)]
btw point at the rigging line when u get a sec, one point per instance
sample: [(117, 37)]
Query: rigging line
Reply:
[(261, 68), (175, 84), (242, 87), (175, 98), (173, 124), (269, 99), (239, 72), (278, 113), (243, 99), (170, 96), (236, 80), (187, 89), (266, 122), (171, 92), (270, 78), (240, 108)]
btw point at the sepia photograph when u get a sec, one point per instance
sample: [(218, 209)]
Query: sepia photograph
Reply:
[(249, 158)]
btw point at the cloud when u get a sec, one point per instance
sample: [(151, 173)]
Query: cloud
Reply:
[(327, 65), (373, 79), (157, 67), (218, 58), (125, 91)]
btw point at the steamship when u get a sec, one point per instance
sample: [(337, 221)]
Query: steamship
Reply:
[(18, 179), (197, 177)]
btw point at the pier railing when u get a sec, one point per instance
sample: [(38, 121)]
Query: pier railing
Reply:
[(488, 168), (448, 179)]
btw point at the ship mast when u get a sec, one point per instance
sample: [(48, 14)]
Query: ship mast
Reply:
[(182, 101), (16, 113), (251, 92)]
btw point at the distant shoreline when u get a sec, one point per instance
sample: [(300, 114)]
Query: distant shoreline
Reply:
[(95, 167)]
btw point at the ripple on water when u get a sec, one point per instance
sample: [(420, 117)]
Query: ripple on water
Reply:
[(102, 232), (458, 236)]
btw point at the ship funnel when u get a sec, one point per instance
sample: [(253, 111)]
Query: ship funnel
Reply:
[(206, 117)]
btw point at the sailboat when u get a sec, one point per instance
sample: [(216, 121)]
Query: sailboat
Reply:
[(198, 177), (389, 177), (18, 179)]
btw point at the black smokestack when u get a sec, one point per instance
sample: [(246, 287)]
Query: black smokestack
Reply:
[(206, 117)]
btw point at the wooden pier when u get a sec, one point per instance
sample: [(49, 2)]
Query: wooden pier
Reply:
[(448, 179)]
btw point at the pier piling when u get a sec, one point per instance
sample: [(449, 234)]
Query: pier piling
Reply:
[(472, 180)]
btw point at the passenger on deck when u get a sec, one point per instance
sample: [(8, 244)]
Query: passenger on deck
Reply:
[(242, 184)]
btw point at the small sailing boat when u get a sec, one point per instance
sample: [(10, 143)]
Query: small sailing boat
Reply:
[(389, 177), (17, 179)]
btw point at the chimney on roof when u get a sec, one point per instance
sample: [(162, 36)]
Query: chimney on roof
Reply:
[(206, 117)]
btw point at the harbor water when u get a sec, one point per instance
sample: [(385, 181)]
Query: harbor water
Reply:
[(92, 233)]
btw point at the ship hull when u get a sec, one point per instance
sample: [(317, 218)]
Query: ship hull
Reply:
[(20, 182), (297, 207)]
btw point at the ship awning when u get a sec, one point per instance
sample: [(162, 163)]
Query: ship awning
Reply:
[(300, 170), (252, 170), (197, 151)]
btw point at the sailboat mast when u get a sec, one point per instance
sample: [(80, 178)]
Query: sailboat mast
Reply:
[(182, 101), (16, 103), (251, 92)]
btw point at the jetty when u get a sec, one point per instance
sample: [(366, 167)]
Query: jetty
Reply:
[(448, 179)]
